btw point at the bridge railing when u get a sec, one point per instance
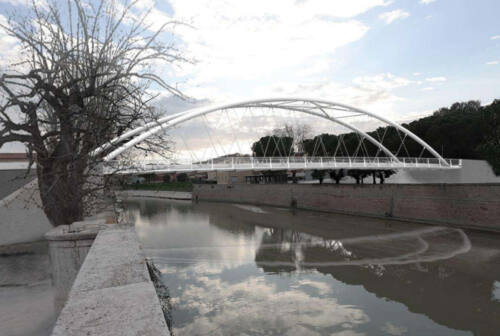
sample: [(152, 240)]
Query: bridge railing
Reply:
[(280, 163)]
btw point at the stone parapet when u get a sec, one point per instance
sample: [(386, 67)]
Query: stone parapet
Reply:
[(112, 293)]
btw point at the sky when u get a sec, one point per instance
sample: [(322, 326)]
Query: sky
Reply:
[(402, 59)]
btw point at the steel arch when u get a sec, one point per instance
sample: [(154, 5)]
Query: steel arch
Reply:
[(315, 107)]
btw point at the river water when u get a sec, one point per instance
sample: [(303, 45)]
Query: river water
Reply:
[(246, 270)]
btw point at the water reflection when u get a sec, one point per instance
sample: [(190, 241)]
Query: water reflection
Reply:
[(235, 269)]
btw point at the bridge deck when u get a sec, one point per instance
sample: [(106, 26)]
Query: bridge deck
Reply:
[(280, 163)]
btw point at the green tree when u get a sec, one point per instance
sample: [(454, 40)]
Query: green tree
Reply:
[(318, 175), (337, 175), (489, 148), (273, 146)]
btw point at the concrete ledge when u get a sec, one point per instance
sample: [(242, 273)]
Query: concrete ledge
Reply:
[(176, 195), (114, 259), (112, 293), (125, 310)]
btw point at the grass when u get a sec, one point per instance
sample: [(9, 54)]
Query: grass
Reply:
[(171, 186)]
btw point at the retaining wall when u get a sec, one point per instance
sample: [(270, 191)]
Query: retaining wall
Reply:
[(176, 195), (21, 216), (464, 205)]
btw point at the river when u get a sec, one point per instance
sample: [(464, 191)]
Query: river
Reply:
[(246, 270)]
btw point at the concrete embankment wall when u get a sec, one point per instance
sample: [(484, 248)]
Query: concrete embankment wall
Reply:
[(21, 216), (176, 195), (474, 206)]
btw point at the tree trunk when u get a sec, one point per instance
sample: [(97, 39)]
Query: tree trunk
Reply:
[(61, 195)]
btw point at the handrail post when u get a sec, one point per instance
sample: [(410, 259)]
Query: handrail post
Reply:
[(251, 160), (271, 163), (212, 164), (288, 162), (305, 161), (321, 161), (232, 163)]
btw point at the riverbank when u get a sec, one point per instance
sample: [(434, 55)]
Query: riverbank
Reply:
[(471, 206)]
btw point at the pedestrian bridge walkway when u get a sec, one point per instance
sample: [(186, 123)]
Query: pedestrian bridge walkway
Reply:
[(279, 163)]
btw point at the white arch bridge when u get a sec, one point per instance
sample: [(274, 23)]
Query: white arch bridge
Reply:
[(330, 112)]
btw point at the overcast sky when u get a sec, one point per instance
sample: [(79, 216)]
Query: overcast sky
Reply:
[(400, 58)]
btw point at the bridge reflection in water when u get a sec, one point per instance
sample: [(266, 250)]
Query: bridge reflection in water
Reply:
[(240, 268)]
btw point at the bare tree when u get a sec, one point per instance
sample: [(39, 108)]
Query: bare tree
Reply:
[(83, 78), (298, 133)]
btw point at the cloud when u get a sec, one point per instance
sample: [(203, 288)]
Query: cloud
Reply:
[(9, 50), (429, 88), (219, 304), (40, 3), (426, 2), (495, 37), (374, 92), (436, 79), (259, 41), (386, 81), (416, 74), (492, 63), (389, 17), (391, 329)]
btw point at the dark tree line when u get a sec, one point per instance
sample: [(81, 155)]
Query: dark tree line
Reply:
[(273, 146), (464, 130)]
